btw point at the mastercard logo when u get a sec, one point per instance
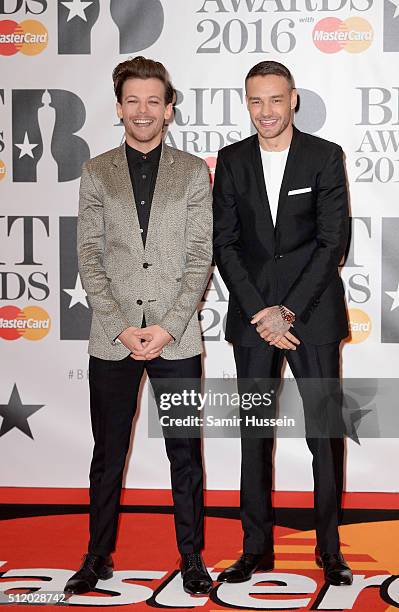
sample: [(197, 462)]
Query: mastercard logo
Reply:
[(2, 170), (30, 37), (360, 325), (32, 322), (354, 35)]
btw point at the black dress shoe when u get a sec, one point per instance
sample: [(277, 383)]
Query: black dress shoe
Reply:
[(246, 565), (336, 570), (196, 580), (94, 568)]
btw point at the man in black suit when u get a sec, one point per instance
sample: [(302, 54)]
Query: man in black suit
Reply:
[(280, 231)]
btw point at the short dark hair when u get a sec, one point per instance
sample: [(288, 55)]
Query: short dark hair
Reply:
[(271, 67), (141, 68)]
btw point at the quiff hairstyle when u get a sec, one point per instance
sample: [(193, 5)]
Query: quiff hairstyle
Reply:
[(141, 68)]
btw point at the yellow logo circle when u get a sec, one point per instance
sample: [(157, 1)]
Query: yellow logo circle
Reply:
[(37, 323), (35, 37), (359, 325), (359, 35), (3, 171)]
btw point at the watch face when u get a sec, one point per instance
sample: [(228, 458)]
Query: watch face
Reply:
[(286, 315)]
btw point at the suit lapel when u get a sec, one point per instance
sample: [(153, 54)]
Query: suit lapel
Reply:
[(292, 162), (161, 193), (126, 195), (260, 179)]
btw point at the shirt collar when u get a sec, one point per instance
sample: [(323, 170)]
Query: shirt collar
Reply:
[(136, 156)]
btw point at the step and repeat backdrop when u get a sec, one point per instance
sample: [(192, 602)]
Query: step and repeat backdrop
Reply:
[(57, 109)]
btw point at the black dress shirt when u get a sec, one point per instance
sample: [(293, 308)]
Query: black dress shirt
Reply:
[(143, 170)]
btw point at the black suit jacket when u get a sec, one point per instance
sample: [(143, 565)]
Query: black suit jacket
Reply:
[(294, 263)]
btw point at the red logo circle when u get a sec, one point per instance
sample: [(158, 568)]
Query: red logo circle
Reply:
[(329, 35), (11, 37), (10, 318)]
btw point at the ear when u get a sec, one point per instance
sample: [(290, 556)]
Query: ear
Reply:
[(119, 110), (294, 99), (246, 101), (168, 111)]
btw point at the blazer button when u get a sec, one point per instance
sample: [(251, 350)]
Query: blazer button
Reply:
[(139, 302), (146, 265), (278, 257)]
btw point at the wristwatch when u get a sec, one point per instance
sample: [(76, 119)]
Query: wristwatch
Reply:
[(286, 314)]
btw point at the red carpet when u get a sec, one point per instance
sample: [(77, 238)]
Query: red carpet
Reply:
[(42, 547)]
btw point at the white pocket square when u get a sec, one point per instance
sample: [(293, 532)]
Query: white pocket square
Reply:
[(296, 191)]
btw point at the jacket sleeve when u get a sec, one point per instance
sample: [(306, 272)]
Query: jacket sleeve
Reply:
[(227, 247), (91, 242), (331, 237), (198, 248)]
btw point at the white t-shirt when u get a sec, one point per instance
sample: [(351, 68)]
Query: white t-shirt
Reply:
[(273, 163)]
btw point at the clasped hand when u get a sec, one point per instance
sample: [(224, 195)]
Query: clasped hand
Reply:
[(145, 343), (271, 326)]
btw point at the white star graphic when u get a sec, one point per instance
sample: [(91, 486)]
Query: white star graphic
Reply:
[(77, 8), (395, 296), (396, 4), (26, 147), (78, 294)]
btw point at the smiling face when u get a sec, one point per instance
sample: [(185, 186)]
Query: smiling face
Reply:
[(143, 111), (271, 103)]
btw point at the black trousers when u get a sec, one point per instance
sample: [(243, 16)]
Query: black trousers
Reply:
[(308, 361), (114, 387)]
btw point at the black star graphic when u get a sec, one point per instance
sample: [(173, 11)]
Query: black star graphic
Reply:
[(16, 414), (352, 418)]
